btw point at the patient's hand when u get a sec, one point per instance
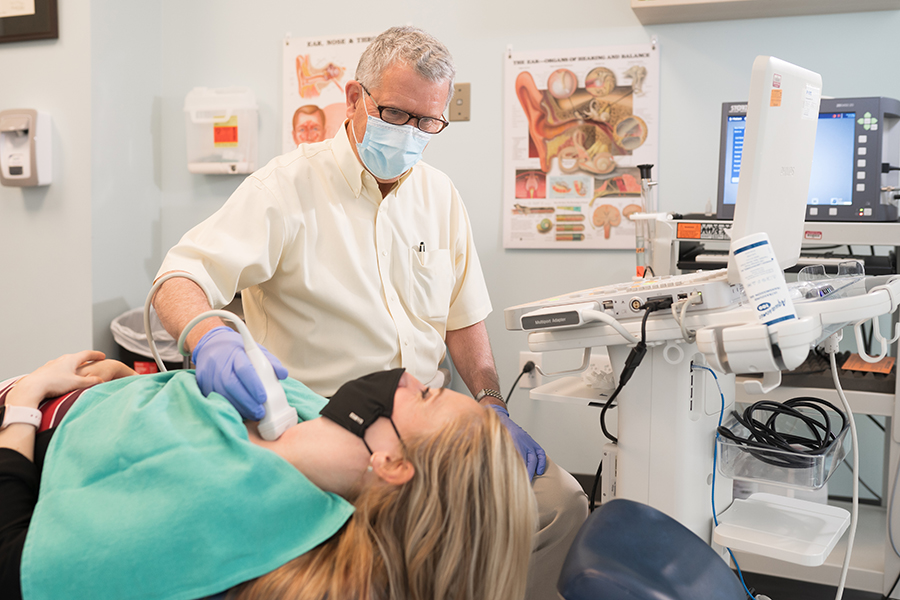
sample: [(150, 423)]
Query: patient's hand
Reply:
[(107, 370), (59, 376)]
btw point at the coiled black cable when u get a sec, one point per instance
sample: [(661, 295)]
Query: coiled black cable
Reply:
[(770, 440)]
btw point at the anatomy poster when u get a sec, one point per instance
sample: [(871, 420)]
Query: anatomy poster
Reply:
[(315, 72), (577, 125)]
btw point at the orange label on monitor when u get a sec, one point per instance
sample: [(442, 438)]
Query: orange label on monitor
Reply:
[(855, 363), (775, 99), (689, 231), (225, 133)]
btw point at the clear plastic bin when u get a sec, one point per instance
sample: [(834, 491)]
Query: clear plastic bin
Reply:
[(779, 467), (221, 130)]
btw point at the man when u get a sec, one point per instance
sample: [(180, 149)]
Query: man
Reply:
[(353, 256), (308, 124)]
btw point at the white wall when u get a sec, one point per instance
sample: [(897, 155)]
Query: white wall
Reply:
[(45, 232), (702, 65), (127, 102), (126, 172)]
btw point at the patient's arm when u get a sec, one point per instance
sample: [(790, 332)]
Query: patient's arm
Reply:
[(59, 376)]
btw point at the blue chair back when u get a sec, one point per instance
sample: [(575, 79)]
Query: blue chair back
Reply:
[(630, 551)]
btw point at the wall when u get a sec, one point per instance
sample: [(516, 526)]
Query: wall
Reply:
[(45, 232), (125, 158), (113, 211), (702, 65)]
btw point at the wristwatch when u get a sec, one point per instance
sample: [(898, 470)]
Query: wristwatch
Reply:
[(19, 414), (489, 392)]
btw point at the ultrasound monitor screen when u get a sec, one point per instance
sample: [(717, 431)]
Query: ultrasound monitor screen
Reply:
[(734, 151), (831, 181)]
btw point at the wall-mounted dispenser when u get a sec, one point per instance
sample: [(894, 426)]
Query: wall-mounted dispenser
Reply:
[(25, 148), (221, 130)]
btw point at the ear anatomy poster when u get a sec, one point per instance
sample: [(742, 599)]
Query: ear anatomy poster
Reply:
[(577, 124), (315, 72)]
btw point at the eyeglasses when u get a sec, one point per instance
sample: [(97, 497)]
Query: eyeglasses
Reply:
[(395, 116)]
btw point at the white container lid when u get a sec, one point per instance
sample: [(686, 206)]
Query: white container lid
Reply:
[(235, 98), (787, 529)]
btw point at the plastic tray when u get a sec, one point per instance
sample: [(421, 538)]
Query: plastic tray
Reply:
[(780, 467), (789, 529)]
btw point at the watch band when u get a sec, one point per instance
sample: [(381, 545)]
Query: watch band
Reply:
[(19, 414), (489, 392)]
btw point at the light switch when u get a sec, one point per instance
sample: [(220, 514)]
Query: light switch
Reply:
[(460, 102)]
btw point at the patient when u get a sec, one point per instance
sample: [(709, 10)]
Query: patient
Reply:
[(151, 490)]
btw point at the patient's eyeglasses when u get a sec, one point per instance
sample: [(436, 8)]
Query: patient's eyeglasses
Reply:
[(395, 116)]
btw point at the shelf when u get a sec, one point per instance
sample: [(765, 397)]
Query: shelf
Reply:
[(866, 403), (656, 12), (814, 232), (866, 561), (571, 390)]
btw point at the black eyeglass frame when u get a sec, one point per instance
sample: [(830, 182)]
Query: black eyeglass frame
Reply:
[(410, 116)]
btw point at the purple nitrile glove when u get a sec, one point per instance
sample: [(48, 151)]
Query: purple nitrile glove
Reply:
[(534, 456), (224, 367)]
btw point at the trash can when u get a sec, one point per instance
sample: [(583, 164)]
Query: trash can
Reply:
[(134, 349)]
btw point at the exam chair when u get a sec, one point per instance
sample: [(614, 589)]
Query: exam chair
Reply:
[(630, 551)]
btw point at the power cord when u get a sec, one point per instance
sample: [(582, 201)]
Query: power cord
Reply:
[(633, 361), (593, 500), (831, 346), (678, 313), (526, 368), (714, 468), (631, 364)]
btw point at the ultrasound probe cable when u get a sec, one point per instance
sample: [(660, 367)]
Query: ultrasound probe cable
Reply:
[(279, 414)]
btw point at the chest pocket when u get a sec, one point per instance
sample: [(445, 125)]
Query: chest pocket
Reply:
[(430, 284)]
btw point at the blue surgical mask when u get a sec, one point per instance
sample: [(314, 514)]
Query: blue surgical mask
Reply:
[(388, 151)]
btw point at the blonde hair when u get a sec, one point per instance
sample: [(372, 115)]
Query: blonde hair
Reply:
[(460, 529)]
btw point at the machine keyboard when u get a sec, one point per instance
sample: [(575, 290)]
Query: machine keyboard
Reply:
[(623, 300)]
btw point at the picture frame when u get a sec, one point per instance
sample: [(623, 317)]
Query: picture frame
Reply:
[(42, 25)]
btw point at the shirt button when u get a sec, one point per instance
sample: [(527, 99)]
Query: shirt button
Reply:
[(384, 252)]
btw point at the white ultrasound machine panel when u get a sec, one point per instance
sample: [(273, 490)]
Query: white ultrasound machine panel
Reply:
[(668, 415)]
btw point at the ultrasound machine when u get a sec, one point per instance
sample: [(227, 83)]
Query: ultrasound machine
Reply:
[(687, 336)]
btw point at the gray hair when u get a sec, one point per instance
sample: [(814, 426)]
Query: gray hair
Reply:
[(410, 46)]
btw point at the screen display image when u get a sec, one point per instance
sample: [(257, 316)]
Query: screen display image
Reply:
[(831, 181), (854, 137)]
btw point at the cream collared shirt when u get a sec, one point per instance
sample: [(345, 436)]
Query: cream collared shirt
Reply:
[(338, 282)]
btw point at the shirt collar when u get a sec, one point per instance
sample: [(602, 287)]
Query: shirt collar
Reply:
[(351, 167)]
